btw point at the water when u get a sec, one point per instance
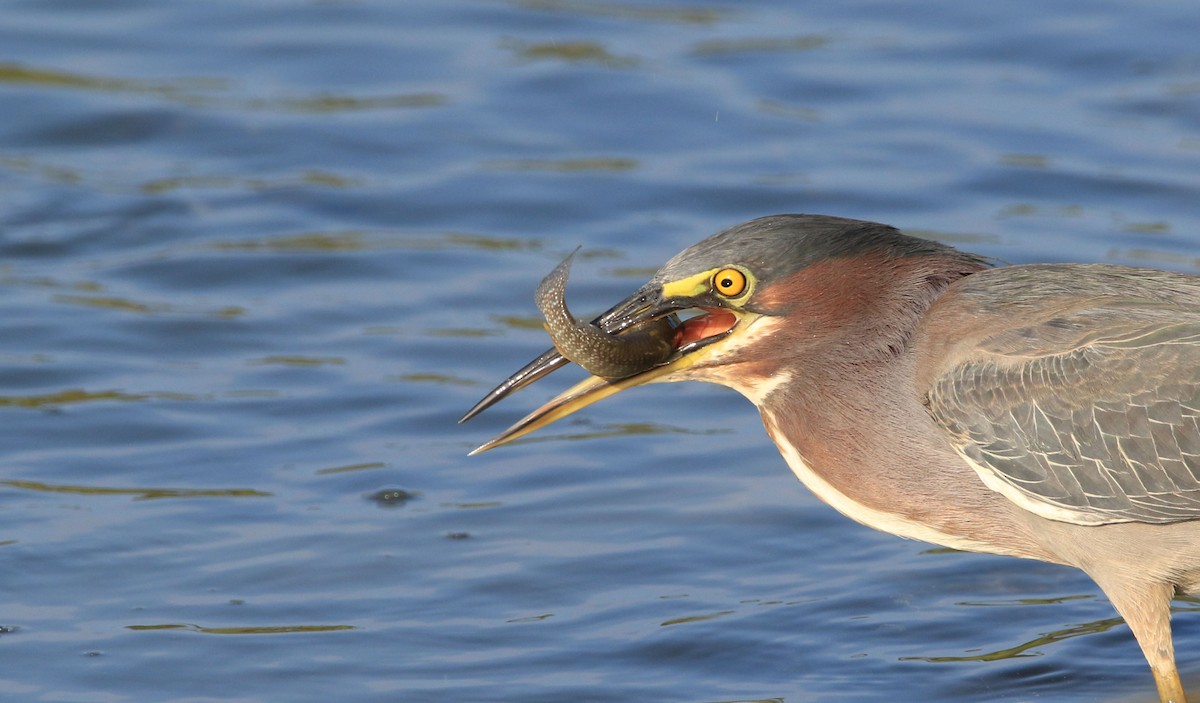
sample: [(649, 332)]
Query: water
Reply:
[(257, 258)]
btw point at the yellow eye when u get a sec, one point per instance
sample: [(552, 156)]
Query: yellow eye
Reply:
[(729, 282)]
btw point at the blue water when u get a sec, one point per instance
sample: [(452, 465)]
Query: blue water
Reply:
[(256, 258)]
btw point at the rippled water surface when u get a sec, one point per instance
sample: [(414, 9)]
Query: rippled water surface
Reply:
[(256, 258)]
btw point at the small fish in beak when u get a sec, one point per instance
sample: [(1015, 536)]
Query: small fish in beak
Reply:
[(637, 341), (609, 356)]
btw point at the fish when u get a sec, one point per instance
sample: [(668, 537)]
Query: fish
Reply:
[(609, 356)]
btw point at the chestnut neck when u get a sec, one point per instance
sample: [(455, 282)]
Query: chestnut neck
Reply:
[(851, 408)]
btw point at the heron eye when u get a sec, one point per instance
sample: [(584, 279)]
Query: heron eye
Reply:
[(729, 282)]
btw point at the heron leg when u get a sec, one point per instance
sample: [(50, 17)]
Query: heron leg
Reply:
[(1146, 608)]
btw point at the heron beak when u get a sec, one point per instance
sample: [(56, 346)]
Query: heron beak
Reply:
[(693, 339), (590, 390)]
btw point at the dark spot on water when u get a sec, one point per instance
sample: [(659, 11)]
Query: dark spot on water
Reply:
[(458, 535), (8, 629), (93, 653), (392, 497)]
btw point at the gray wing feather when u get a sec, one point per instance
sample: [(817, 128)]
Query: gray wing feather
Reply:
[(1092, 417)]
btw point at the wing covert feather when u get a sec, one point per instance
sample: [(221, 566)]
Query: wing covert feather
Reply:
[(1090, 417)]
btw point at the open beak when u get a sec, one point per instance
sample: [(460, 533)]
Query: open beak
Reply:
[(692, 339)]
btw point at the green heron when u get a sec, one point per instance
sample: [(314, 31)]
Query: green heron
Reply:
[(1047, 411)]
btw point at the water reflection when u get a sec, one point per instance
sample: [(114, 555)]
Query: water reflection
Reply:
[(618, 429), (1155, 258), (532, 618), (570, 51), (566, 165), (112, 302), (297, 360), (678, 14), (206, 92), (137, 493), (50, 172), (248, 630), (19, 74), (794, 112), (696, 618), (717, 47), (436, 378), (1022, 650), (326, 179), (366, 466), (78, 395), (361, 240)]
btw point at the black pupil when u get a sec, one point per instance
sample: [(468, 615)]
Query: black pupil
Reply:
[(727, 282)]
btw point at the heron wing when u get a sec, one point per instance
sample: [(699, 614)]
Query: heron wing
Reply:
[(1090, 417)]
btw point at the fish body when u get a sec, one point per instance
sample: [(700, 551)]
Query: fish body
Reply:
[(600, 353)]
